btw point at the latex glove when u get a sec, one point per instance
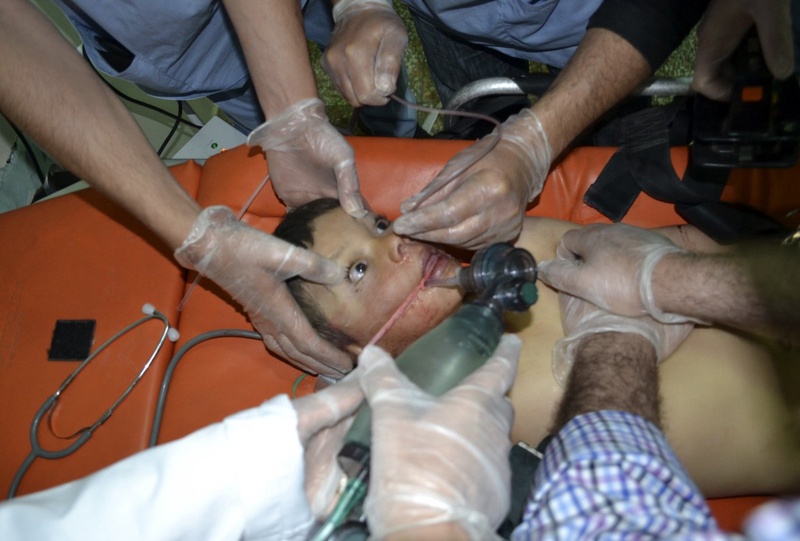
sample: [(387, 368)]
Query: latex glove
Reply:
[(323, 419), (611, 265), (485, 203), (438, 460), (252, 267), (581, 318), (722, 28), (366, 51), (308, 158)]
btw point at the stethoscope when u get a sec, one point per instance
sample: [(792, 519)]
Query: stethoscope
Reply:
[(83, 434)]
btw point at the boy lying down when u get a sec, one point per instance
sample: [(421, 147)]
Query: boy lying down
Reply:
[(729, 402)]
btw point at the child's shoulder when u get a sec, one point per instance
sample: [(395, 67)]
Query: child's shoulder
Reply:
[(541, 236)]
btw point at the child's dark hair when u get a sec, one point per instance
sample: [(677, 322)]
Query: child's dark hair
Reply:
[(297, 228)]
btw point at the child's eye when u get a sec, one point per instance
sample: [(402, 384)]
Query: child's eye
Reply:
[(381, 225), (357, 271)]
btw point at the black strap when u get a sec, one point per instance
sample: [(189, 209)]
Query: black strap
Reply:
[(643, 164)]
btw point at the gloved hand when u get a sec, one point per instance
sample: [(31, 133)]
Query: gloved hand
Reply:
[(439, 460), (722, 28), (581, 318), (366, 51), (612, 267), (308, 158), (485, 203), (323, 419), (252, 266)]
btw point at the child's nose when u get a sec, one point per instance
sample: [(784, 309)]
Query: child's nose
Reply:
[(399, 247)]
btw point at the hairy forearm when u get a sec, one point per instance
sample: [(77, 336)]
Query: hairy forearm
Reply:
[(753, 288), (604, 70), (51, 94), (612, 371), (274, 44)]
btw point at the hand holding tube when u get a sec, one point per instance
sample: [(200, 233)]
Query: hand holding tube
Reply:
[(611, 266), (252, 267), (722, 28), (308, 158), (486, 203), (581, 319), (439, 460), (366, 50)]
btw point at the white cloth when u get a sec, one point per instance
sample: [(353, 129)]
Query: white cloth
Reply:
[(238, 479)]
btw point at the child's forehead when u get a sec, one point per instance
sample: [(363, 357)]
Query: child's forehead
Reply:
[(336, 228)]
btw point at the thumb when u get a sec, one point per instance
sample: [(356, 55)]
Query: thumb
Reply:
[(379, 373), (557, 273)]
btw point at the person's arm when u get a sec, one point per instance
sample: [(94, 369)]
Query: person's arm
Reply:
[(612, 371), (52, 94), (753, 288), (604, 69), (308, 158), (632, 271), (274, 45), (609, 470), (485, 203), (241, 478)]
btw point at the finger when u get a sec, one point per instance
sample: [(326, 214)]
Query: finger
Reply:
[(441, 186), (775, 34), (578, 241), (555, 273), (318, 355), (379, 373), (311, 266), (349, 189), (328, 407), (389, 61)]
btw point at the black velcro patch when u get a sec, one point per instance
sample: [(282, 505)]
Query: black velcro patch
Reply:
[(72, 340)]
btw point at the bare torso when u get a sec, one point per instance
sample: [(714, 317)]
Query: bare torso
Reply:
[(730, 403)]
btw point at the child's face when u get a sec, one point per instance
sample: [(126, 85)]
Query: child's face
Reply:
[(383, 269)]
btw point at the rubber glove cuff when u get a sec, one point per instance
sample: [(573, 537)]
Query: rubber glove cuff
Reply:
[(342, 7), (646, 287), (198, 248), (526, 136), (292, 123)]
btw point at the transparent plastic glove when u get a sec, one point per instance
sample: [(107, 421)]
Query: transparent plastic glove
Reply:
[(581, 318), (308, 158), (439, 460), (252, 266), (611, 266), (486, 203), (722, 28), (323, 419), (366, 51)]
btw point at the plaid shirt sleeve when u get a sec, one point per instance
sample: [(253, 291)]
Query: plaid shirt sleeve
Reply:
[(612, 475)]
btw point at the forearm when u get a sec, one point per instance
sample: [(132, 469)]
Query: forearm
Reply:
[(274, 44), (50, 92), (612, 371), (753, 288), (604, 70)]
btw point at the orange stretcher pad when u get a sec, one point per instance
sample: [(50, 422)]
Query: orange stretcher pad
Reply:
[(81, 257)]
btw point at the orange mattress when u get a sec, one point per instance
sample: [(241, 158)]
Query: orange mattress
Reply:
[(81, 257)]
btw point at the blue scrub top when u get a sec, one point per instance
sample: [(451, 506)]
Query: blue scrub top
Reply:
[(181, 49), (545, 31)]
